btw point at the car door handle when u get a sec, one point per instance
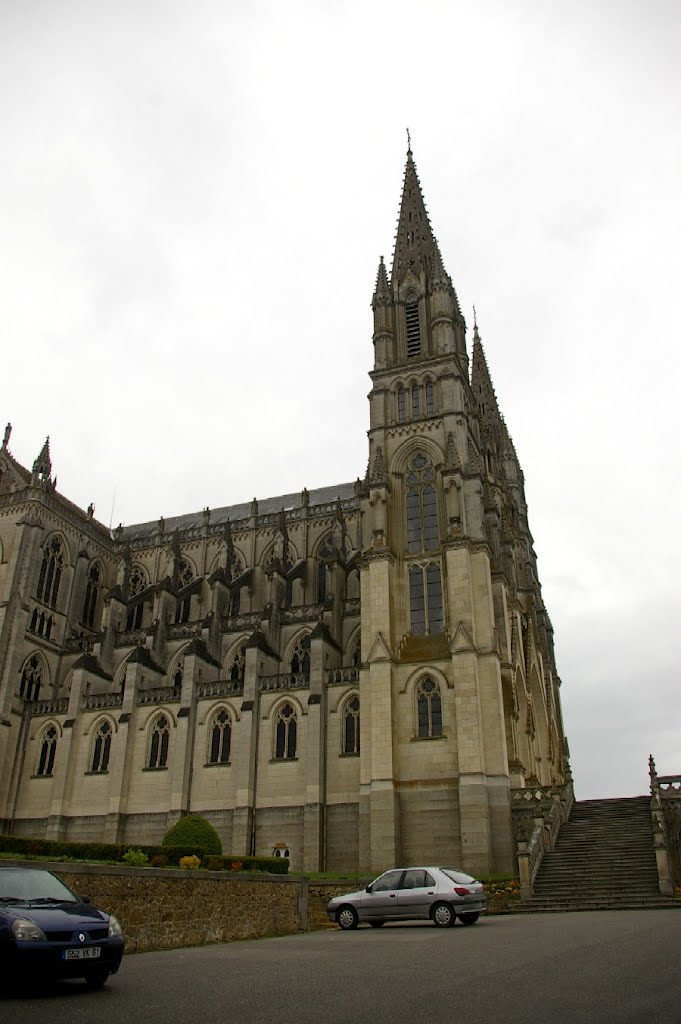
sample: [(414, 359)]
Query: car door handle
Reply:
[(393, 895)]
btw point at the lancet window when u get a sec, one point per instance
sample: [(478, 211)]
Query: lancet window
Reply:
[(48, 750), (237, 669), (159, 742), (94, 578), (429, 708), (425, 599), (50, 572), (220, 738), (422, 528), (324, 551), (411, 311), (285, 733), (300, 659), (351, 726), (31, 678), (101, 748)]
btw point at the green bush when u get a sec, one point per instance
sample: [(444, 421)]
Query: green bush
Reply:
[(135, 858), (194, 831)]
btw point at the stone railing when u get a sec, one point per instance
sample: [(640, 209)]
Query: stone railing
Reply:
[(94, 701), (665, 809), (53, 706), (285, 681), (131, 638), (337, 676), (184, 630), (537, 813), (80, 643), (159, 695), (220, 688)]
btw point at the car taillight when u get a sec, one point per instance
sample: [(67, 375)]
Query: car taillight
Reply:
[(460, 891)]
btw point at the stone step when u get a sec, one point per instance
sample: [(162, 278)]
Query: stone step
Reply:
[(604, 859)]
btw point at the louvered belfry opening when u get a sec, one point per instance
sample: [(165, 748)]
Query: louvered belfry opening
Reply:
[(413, 329)]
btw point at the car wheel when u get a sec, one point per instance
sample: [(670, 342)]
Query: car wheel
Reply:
[(443, 916), (469, 918), (376, 924), (97, 978), (347, 917)]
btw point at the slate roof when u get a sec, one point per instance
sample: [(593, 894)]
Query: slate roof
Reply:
[(233, 513)]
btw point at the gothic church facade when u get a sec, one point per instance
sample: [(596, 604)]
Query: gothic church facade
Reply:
[(355, 676)]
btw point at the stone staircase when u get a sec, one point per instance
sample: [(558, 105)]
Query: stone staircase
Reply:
[(604, 859)]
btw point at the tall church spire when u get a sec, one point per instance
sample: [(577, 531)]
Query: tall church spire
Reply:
[(415, 244)]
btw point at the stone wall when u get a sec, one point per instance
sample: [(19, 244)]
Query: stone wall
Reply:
[(166, 909)]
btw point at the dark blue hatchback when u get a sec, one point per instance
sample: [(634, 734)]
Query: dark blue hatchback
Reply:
[(47, 932)]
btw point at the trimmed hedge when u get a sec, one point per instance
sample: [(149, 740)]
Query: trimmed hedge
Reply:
[(193, 830), (159, 856)]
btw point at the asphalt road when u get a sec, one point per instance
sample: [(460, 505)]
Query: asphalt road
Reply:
[(617, 967)]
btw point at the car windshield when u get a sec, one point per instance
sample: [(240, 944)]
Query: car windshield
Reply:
[(29, 886), (457, 876)]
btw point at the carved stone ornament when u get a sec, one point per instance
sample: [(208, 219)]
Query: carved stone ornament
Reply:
[(378, 469), (452, 460)]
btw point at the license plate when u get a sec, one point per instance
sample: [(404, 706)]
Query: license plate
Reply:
[(86, 953)]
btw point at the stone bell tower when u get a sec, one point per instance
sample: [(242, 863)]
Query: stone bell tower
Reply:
[(435, 778)]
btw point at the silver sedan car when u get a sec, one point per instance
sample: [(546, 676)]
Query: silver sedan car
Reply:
[(404, 894)]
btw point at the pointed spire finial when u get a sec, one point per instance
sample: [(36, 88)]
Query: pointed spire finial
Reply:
[(408, 143)]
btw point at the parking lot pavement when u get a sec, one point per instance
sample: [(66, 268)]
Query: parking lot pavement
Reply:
[(606, 968)]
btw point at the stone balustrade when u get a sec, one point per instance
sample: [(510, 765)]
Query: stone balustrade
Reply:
[(53, 706), (94, 701), (285, 681), (337, 676), (159, 695)]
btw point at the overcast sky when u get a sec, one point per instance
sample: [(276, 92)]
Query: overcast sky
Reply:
[(194, 197)]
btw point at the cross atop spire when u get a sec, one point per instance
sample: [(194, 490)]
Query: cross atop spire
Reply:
[(415, 244)]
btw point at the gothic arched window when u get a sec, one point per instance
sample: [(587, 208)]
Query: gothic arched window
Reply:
[(430, 398), (351, 726), (94, 578), (415, 402), (48, 749), (178, 674), (401, 405), (101, 748), (31, 678), (220, 738), (300, 659), (50, 572), (429, 708), (425, 599), (237, 669), (285, 733), (422, 529), (324, 551), (158, 746), (137, 581)]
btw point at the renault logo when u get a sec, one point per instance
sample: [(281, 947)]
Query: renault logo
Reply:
[(81, 937)]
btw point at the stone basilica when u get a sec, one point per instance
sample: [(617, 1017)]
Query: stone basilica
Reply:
[(356, 676)]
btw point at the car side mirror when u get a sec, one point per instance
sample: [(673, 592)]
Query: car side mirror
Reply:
[(368, 888), (85, 899)]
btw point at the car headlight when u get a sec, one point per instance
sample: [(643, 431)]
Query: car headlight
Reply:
[(26, 931), (114, 926)]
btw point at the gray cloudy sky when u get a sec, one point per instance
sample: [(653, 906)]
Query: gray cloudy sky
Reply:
[(194, 198)]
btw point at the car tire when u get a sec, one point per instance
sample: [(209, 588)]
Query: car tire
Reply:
[(97, 978), (443, 916), (469, 918), (376, 924), (347, 917)]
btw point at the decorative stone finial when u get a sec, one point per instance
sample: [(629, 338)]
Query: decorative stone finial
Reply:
[(8, 432)]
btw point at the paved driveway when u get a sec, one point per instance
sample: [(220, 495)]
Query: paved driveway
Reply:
[(618, 967)]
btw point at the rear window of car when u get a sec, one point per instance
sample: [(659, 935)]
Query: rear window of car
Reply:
[(458, 876)]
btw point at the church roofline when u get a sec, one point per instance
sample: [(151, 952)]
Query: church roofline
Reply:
[(233, 513)]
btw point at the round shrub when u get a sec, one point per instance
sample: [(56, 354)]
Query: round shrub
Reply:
[(194, 831)]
